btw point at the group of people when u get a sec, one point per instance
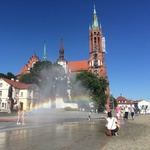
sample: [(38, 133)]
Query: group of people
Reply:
[(123, 112), (21, 118)]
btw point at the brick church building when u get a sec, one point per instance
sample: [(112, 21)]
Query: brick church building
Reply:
[(95, 63)]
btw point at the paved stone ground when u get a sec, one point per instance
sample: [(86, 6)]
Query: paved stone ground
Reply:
[(70, 133), (134, 135)]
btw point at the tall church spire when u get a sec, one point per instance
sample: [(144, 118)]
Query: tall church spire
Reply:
[(95, 23), (44, 54), (97, 51), (61, 60), (61, 52)]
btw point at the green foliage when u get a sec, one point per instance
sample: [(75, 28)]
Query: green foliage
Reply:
[(9, 75), (70, 109), (3, 75), (86, 83), (29, 79), (49, 77)]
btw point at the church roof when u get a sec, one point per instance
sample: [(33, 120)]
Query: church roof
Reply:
[(77, 66), (26, 69), (23, 70)]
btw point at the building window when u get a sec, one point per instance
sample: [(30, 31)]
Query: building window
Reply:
[(33, 64), (0, 93), (95, 40), (21, 94), (3, 104), (1, 84), (16, 94)]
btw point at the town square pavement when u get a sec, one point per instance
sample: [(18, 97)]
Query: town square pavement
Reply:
[(61, 130)]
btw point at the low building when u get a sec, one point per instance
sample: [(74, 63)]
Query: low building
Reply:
[(122, 102), (144, 106), (24, 95)]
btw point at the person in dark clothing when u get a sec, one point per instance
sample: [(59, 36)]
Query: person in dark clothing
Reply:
[(126, 112), (10, 90)]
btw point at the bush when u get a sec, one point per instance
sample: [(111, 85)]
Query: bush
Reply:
[(70, 109)]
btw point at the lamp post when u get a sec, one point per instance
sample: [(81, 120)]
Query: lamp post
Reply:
[(112, 100)]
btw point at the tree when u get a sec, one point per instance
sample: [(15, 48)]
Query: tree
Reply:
[(49, 77), (86, 83), (3, 75), (9, 75)]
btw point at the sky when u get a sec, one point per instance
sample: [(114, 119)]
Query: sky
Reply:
[(26, 24)]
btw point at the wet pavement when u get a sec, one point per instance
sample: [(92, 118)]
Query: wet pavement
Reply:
[(53, 130)]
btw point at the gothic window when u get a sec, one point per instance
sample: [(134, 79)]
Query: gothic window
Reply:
[(96, 63), (95, 56), (95, 40), (94, 33), (33, 64), (98, 39)]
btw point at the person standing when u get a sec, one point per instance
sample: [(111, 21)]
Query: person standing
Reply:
[(22, 116), (132, 111), (122, 112), (19, 116), (126, 112), (89, 116), (21, 119), (118, 112)]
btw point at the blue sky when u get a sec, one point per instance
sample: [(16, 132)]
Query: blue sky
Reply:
[(25, 24)]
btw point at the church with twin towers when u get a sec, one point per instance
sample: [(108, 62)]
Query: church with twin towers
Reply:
[(95, 63)]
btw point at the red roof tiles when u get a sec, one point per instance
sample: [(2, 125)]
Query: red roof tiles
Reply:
[(77, 66), (17, 85), (122, 100)]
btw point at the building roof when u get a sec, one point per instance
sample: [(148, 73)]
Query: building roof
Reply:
[(26, 69), (77, 66), (23, 70), (123, 100), (17, 85)]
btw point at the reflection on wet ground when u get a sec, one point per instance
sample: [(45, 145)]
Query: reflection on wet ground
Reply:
[(55, 131), (69, 136)]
